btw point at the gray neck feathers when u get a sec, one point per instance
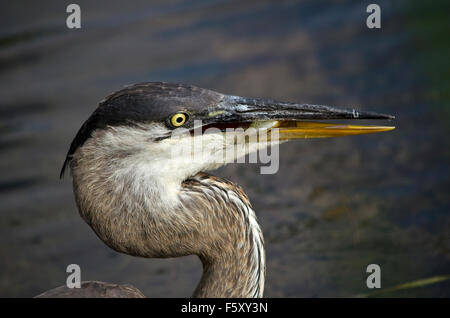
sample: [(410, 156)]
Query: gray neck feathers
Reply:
[(137, 213)]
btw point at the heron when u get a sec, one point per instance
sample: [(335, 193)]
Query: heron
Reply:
[(141, 200)]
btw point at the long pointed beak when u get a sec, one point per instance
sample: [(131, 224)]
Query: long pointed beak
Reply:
[(294, 120), (302, 129)]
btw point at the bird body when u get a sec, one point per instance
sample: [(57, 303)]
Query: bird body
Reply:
[(142, 200)]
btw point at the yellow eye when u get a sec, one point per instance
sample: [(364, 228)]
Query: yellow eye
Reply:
[(178, 119)]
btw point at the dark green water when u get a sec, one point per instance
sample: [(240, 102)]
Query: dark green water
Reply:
[(335, 206)]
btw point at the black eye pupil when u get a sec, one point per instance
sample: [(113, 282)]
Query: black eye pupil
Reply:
[(179, 119)]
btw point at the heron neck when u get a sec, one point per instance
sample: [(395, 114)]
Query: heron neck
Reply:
[(237, 274), (234, 259)]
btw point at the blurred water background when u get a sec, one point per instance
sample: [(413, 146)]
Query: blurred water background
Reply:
[(335, 206)]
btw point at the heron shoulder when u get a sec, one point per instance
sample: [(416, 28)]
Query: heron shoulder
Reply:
[(94, 289)]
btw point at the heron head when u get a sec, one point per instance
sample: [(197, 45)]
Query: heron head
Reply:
[(179, 130)]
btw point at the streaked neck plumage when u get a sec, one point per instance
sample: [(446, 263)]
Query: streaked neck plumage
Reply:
[(135, 210), (234, 263)]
